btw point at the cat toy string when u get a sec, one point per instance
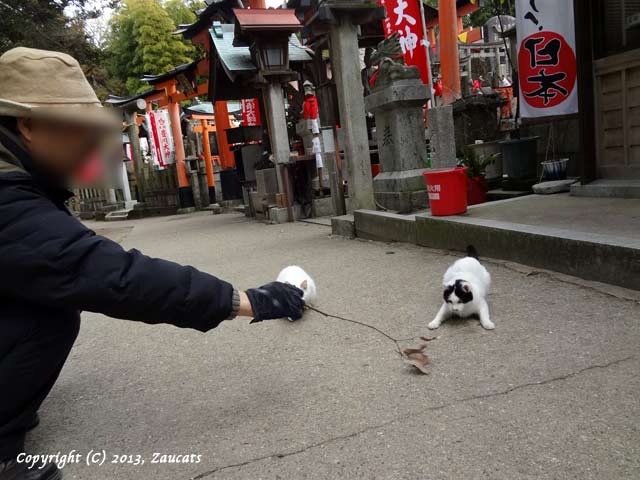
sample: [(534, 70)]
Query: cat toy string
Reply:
[(337, 317)]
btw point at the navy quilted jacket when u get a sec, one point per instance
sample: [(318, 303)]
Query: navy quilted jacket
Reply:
[(52, 265)]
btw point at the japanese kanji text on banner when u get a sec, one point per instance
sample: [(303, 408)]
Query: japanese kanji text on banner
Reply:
[(161, 138), (250, 112), (404, 18), (546, 58)]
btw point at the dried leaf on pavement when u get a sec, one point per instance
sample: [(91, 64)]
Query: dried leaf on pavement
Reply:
[(417, 358)]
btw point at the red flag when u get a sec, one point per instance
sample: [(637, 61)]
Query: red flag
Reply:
[(403, 18)]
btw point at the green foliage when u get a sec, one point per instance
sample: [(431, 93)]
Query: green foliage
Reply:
[(141, 41), (491, 8), (476, 165), (43, 24), (182, 11)]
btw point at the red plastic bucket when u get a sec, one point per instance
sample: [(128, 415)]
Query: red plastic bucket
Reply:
[(447, 189)]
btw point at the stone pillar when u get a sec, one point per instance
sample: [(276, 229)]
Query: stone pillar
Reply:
[(400, 185), (195, 185), (343, 37), (134, 139), (277, 123), (185, 192), (110, 196), (126, 190), (442, 137), (274, 103)]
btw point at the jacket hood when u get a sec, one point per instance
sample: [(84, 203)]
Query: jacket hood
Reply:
[(16, 165), (9, 161)]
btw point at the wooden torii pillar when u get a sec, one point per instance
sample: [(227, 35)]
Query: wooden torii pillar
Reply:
[(169, 97), (205, 128), (450, 19), (449, 61), (185, 191), (227, 160)]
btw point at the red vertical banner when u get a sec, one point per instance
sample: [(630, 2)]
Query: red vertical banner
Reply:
[(403, 18), (250, 112)]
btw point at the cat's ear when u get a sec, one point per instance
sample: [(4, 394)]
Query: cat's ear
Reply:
[(466, 288), (304, 285)]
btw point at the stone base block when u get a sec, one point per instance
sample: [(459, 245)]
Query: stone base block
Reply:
[(385, 226), (403, 202), (400, 181), (261, 202), (267, 181), (402, 191), (343, 226), (323, 207), (185, 211), (142, 210), (280, 215)]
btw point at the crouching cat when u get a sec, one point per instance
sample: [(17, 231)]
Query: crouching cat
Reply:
[(466, 284), (297, 277)]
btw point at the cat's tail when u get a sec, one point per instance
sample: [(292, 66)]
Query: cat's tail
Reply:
[(472, 252)]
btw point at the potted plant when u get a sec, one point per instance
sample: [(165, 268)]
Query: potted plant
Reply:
[(476, 168)]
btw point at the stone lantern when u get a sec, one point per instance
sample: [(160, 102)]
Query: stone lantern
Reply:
[(266, 33)]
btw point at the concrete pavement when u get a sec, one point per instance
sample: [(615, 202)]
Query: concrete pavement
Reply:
[(552, 393)]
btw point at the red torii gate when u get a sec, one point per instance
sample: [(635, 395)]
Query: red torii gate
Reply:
[(449, 18), (168, 96)]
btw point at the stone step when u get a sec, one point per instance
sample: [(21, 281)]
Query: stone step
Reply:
[(590, 256), (607, 188), (499, 194), (117, 215)]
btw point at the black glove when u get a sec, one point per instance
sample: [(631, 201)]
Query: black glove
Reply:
[(276, 300)]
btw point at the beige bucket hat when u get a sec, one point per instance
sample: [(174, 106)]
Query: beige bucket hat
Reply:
[(44, 84)]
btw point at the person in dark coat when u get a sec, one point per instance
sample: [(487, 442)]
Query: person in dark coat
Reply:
[(52, 267)]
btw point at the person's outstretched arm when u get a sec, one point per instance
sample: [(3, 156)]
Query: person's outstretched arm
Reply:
[(49, 258)]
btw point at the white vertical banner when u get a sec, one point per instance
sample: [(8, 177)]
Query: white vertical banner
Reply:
[(160, 138), (546, 58), (165, 135)]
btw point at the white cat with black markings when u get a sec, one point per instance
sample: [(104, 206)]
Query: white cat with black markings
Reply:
[(466, 284), (297, 277)]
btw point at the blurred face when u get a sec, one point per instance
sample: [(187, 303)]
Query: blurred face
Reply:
[(59, 148)]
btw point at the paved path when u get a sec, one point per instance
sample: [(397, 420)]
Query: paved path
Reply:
[(552, 393)]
